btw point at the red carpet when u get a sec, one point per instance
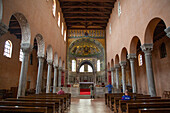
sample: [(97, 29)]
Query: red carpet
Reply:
[(84, 91)]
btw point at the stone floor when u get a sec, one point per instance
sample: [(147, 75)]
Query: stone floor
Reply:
[(79, 105)]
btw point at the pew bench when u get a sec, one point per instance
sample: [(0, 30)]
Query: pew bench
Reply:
[(122, 103), (154, 110), (50, 105), (21, 109), (133, 107)]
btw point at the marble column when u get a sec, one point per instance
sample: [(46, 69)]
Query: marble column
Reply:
[(40, 74), (123, 65), (48, 86), (55, 79), (147, 48), (117, 76), (167, 30), (112, 76), (26, 49), (132, 58), (59, 76)]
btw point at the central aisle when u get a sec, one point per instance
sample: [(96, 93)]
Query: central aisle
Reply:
[(88, 106)]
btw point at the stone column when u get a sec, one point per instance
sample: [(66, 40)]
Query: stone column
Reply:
[(147, 48), (49, 76), (26, 49), (40, 74), (167, 30), (117, 77), (95, 75), (1, 10), (55, 79), (123, 65), (59, 76), (132, 57), (112, 76)]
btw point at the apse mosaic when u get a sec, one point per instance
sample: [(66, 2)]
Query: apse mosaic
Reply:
[(86, 33)]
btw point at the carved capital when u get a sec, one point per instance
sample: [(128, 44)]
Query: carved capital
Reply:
[(122, 64), (131, 56), (3, 29), (167, 30), (60, 68), (117, 66), (147, 48), (26, 48), (49, 62), (112, 68)]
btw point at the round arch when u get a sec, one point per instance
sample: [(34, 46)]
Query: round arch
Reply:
[(41, 45), (85, 62), (149, 32), (124, 54), (117, 59), (25, 28), (49, 53), (55, 59), (133, 45)]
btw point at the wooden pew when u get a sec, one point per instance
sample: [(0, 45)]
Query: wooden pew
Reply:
[(50, 105), (21, 109), (154, 110), (133, 107), (122, 103), (59, 106), (64, 97), (116, 100)]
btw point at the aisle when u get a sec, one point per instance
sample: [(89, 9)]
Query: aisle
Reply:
[(88, 106)]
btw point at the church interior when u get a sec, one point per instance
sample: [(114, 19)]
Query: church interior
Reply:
[(95, 51)]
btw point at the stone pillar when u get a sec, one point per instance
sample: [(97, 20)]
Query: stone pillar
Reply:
[(95, 76), (112, 76), (132, 57), (147, 48), (40, 74), (1, 10), (167, 30), (123, 65), (59, 76), (26, 49), (117, 77), (49, 76), (55, 79)]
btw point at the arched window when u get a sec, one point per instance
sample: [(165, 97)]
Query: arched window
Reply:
[(54, 8), (58, 19), (65, 35), (73, 65), (82, 68), (21, 55), (8, 49), (140, 60), (90, 68), (110, 29), (98, 65), (62, 29), (119, 8), (163, 52)]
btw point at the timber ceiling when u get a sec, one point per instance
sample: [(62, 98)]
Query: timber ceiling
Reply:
[(86, 14)]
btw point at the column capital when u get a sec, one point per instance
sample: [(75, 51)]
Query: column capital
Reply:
[(50, 62), (147, 48), (60, 68), (26, 47), (167, 30), (112, 68), (122, 63), (55, 66), (117, 66), (131, 56)]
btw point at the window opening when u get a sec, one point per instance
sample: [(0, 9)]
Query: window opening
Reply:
[(8, 49)]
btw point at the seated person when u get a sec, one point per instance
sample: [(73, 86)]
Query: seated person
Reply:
[(61, 92), (126, 96)]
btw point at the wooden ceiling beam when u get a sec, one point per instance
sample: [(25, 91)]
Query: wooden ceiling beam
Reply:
[(88, 17), (86, 12), (99, 7), (96, 21), (112, 1)]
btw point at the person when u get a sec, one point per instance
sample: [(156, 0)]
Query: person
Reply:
[(92, 91), (109, 88), (126, 96), (60, 92)]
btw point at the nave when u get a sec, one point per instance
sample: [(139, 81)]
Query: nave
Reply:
[(81, 105)]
